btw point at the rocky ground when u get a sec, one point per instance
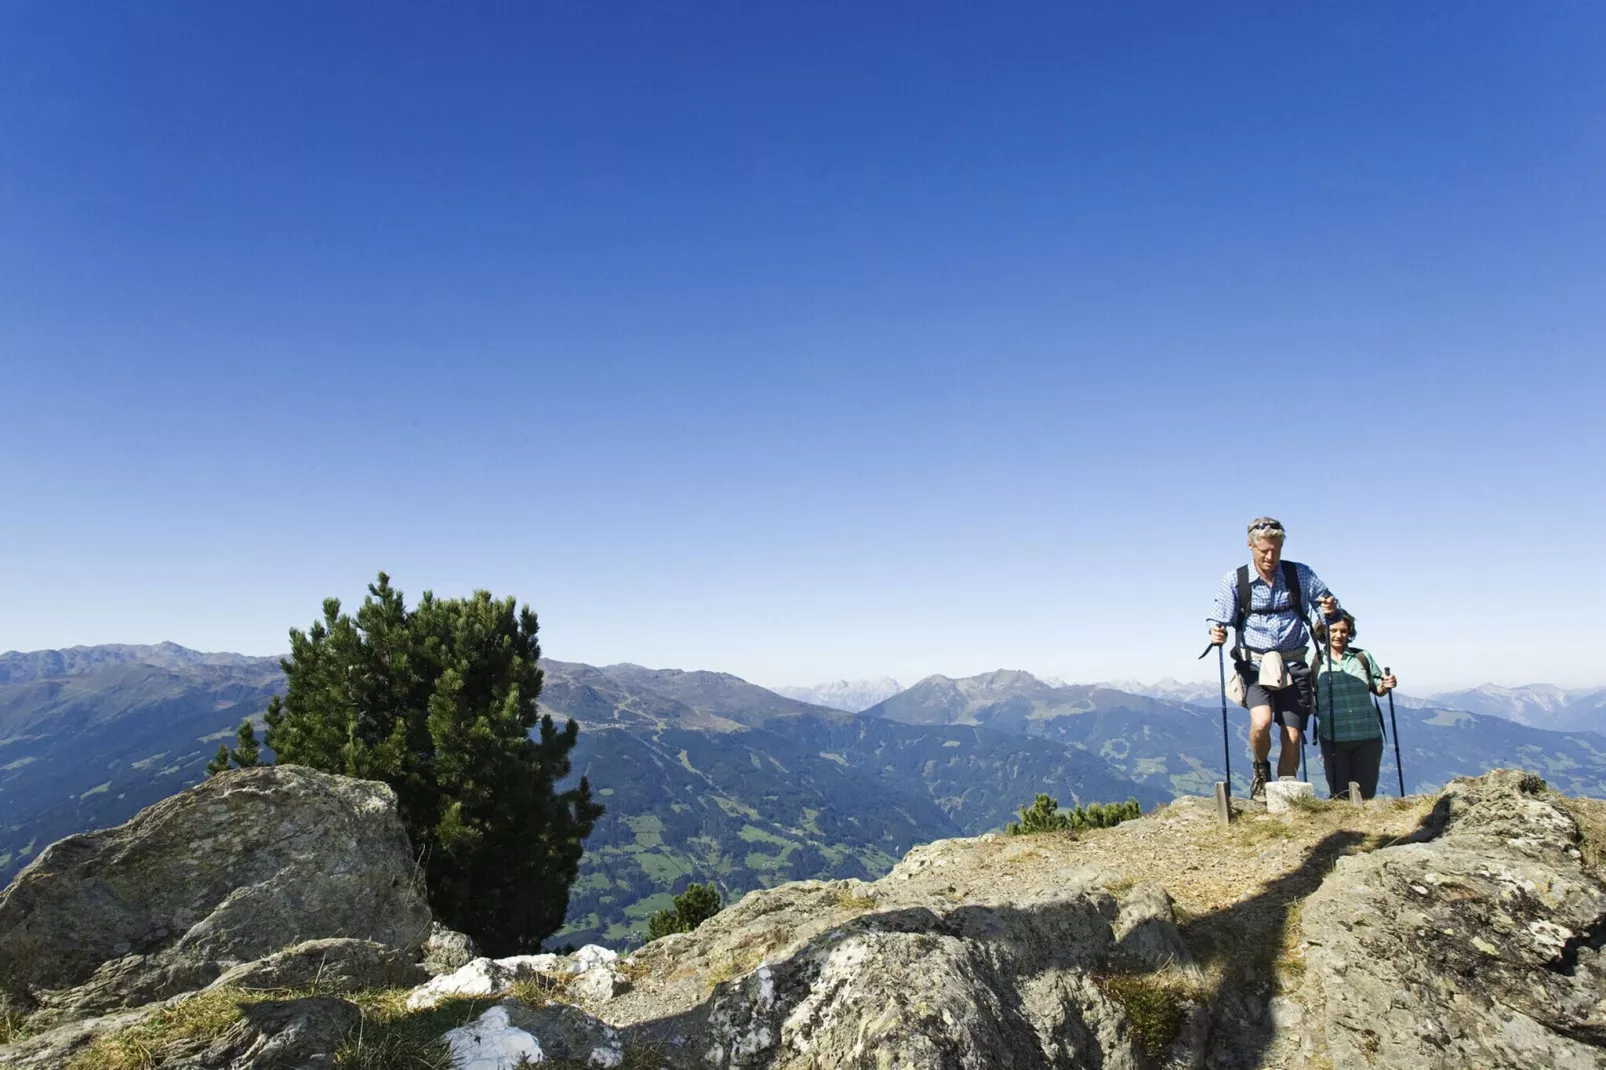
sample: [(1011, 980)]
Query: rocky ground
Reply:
[(1459, 930)]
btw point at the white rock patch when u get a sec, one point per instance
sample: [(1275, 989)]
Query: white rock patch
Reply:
[(492, 1044), (490, 977), (591, 955)]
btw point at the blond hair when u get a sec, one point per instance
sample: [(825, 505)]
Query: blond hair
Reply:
[(1264, 527)]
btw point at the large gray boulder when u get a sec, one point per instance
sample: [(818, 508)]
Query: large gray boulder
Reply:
[(1479, 947), (232, 870), (969, 955), (333, 965)]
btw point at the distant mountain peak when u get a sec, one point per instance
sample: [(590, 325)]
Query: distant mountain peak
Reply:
[(853, 696)]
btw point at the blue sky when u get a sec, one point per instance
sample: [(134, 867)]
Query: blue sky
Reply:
[(804, 340)]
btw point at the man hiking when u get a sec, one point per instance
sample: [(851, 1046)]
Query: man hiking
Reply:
[(1267, 602)]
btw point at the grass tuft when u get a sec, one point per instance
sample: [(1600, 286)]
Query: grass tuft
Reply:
[(1155, 1008), (1590, 817), (202, 1017), (540, 989), (846, 900), (12, 1025)]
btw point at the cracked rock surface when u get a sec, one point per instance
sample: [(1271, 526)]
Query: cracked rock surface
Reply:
[(1480, 947)]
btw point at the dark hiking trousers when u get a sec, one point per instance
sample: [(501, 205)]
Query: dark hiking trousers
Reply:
[(1357, 760)]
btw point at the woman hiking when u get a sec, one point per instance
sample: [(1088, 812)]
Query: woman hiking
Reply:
[(1351, 727)]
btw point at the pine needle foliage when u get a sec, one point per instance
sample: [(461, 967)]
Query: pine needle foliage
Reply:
[(439, 702), (695, 905), (1042, 816), (246, 754), (1045, 815)]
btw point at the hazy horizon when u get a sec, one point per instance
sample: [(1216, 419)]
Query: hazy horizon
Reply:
[(827, 680)]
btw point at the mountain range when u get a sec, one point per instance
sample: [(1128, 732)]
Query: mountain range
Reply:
[(706, 776), (854, 696)]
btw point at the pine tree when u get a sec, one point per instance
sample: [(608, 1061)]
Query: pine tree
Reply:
[(439, 702), (245, 755), (695, 905)]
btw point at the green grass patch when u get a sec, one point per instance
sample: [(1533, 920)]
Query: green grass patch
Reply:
[(661, 868), (202, 1017), (1155, 1008), (646, 908), (98, 789), (649, 829), (11, 1026), (754, 834), (390, 1037)]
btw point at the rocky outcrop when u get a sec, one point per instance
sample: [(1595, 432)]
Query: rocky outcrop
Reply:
[(1465, 930), (447, 950), (969, 954), (1480, 947), (337, 965), (236, 868), (591, 975), (1457, 932)]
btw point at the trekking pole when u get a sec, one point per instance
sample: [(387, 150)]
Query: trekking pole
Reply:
[(1383, 731), (1315, 697), (1226, 739), (1395, 724)]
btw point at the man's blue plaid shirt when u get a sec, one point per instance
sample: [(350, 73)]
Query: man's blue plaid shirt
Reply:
[(1280, 631)]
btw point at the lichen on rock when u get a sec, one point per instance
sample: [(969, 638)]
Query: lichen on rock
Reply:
[(231, 870)]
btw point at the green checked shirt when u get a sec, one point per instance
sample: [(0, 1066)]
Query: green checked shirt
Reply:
[(1344, 699)]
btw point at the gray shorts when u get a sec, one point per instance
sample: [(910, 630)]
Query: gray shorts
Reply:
[(1290, 706)]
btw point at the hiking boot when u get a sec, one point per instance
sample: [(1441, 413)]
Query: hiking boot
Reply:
[(1257, 782)]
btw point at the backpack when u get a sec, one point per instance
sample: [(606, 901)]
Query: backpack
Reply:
[(1296, 598), (1366, 663)]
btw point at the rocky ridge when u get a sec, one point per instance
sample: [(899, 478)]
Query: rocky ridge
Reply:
[(1460, 930)]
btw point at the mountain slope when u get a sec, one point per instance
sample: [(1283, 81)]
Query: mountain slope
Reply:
[(1166, 746), (1172, 745), (720, 780), (1536, 705), (91, 749), (705, 776)]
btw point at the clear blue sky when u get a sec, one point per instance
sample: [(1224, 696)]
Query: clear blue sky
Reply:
[(808, 340)]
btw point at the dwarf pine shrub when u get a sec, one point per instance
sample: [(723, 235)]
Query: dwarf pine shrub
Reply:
[(1044, 815)]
